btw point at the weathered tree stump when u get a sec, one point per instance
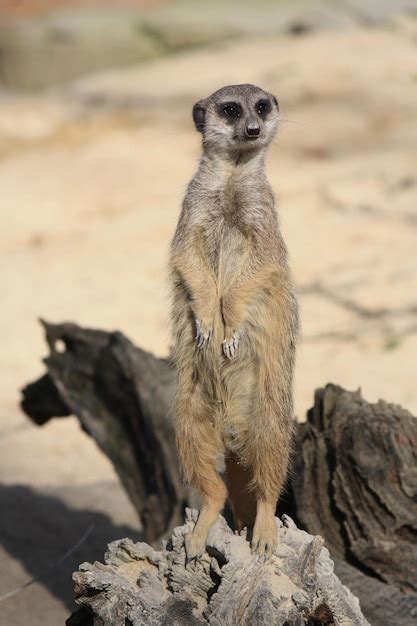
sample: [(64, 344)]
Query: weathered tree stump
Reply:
[(228, 586), (355, 482), (121, 395), (354, 478)]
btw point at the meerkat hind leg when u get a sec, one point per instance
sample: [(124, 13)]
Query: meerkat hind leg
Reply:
[(199, 448), (195, 541)]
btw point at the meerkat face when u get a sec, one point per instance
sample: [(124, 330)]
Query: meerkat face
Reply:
[(237, 118)]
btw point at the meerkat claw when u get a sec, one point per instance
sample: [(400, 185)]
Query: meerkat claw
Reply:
[(202, 338), (190, 561), (236, 338), (230, 346), (228, 349)]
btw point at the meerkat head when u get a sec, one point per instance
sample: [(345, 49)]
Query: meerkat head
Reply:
[(237, 118)]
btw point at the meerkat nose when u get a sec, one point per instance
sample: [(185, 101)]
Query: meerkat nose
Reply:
[(252, 130)]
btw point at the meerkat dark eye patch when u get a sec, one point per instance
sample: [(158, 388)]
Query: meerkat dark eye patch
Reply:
[(263, 107), (231, 110)]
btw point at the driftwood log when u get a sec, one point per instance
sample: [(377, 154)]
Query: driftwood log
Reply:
[(121, 395), (354, 479), (227, 586)]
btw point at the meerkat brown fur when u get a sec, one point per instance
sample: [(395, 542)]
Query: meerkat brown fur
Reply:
[(234, 321)]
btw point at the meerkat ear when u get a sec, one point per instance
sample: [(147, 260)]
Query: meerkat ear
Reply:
[(199, 115), (276, 102)]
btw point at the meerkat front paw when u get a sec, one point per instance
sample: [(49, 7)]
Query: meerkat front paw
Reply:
[(231, 345), (203, 333)]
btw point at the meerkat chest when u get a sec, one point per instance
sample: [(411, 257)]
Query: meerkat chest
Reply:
[(227, 228), (226, 249)]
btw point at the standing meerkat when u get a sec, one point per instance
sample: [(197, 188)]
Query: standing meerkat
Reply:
[(234, 321)]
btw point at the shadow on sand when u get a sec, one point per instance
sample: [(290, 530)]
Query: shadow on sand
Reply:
[(39, 528)]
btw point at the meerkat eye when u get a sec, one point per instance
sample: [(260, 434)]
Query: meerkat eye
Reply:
[(231, 110), (263, 107)]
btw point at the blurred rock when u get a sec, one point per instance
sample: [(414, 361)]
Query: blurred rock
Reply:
[(54, 48), (57, 46)]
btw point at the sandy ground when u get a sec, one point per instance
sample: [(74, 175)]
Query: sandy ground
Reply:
[(91, 180)]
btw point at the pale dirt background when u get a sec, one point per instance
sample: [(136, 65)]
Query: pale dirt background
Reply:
[(91, 179)]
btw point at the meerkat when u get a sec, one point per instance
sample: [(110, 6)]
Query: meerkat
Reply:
[(234, 322)]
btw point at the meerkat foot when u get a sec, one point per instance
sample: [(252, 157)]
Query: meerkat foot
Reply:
[(203, 334), (195, 544), (230, 346), (265, 538)]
